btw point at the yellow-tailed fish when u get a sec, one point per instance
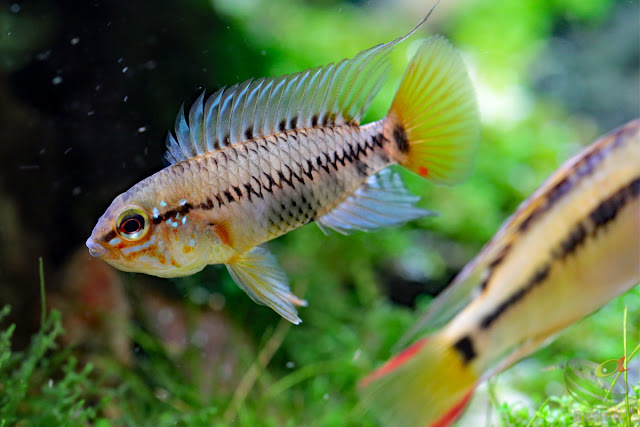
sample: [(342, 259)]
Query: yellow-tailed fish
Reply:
[(266, 156), (570, 247)]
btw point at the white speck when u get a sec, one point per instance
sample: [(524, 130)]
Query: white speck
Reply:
[(184, 219), (43, 55), (15, 8), (124, 70), (163, 203), (115, 241), (183, 202), (126, 98), (67, 151), (192, 243), (290, 365), (91, 113), (98, 87), (9, 33), (356, 355), (156, 213), (56, 80), (142, 129), (76, 191), (178, 215), (325, 396), (263, 52), (50, 383), (174, 224), (120, 60), (74, 41)]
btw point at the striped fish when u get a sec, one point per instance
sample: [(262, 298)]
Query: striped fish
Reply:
[(266, 156), (570, 247)]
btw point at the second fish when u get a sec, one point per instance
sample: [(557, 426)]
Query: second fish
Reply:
[(266, 156)]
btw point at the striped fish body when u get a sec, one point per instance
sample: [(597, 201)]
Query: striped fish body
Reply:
[(264, 157), (573, 246), (570, 248), (263, 188)]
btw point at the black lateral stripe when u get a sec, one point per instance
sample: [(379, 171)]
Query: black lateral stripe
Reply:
[(538, 277), (601, 215), (465, 347), (582, 169)]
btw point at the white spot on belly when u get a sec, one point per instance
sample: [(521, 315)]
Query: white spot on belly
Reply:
[(192, 243), (184, 219), (183, 202), (163, 203), (156, 213)]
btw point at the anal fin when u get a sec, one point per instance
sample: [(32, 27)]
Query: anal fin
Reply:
[(382, 201), (257, 273)]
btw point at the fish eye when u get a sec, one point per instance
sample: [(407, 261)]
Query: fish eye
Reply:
[(132, 224)]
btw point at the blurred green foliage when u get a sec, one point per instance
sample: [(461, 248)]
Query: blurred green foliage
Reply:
[(350, 326)]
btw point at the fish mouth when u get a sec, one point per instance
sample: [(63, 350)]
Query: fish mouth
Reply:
[(95, 249)]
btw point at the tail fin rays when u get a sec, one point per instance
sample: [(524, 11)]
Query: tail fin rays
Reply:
[(428, 384), (434, 119)]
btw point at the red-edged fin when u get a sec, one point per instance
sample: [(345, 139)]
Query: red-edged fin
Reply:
[(394, 362), (448, 418), (427, 383)]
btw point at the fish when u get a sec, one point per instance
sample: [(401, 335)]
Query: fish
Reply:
[(570, 247), (264, 157)]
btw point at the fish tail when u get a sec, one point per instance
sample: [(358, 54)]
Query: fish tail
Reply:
[(428, 384), (434, 120)]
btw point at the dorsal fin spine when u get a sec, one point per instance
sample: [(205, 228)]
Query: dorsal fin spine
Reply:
[(224, 116), (195, 124), (211, 119), (239, 105)]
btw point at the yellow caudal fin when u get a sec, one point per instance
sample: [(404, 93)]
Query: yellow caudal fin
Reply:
[(428, 384), (434, 119)]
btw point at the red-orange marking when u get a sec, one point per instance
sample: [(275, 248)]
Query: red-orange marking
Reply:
[(187, 249), (394, 362), (223, 233), (448, 418), (422, 171)]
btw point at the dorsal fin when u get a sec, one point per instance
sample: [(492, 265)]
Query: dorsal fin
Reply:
[(335, 94)]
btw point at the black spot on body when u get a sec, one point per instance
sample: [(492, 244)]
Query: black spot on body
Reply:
[(361, 168), (238, 191), (464, 346), (229, 196), (400, 138)]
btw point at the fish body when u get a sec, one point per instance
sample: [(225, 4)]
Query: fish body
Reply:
[(267, 156), (570, 248)]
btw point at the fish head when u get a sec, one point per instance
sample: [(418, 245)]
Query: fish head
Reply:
[(132, 236)]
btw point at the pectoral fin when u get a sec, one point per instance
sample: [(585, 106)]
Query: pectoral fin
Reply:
[(257, 272), (382, 201)]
